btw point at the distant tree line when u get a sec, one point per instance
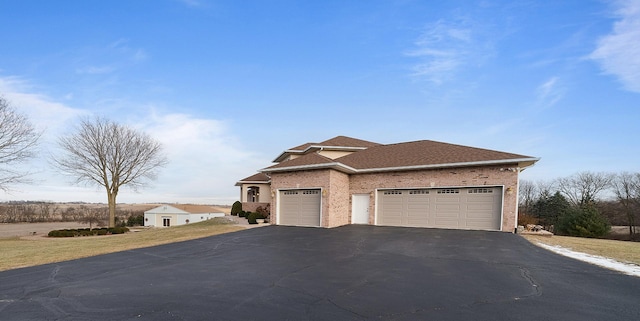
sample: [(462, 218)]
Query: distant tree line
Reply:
[(39, 212), (584, 204)]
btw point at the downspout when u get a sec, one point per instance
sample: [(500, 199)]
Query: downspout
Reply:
[(515, 230)]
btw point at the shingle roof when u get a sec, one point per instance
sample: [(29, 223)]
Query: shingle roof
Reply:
[(338, 143), (259, 177), (344, 141), (302, 147), (404, 156), (255, 178), (424, 152), (303, 161)]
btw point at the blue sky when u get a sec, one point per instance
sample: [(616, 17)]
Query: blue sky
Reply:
[(228, 85)]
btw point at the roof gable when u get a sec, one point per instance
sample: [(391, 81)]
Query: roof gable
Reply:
[(165, 209), (342, 143), (183, 210)]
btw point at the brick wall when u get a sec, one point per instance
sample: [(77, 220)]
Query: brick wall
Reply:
[(338, 187), (302, 179), (451, 177), (251, 206)]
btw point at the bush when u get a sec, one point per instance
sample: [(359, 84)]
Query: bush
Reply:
[(88, 232), (236, 208), (583, 221), (264, 211), (135, 220), (252, 218), (243, 214)]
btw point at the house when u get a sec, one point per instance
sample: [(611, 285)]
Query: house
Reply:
[(424, 183), (166, 215), (255, 191)]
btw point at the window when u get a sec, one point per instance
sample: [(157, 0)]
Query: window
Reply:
[(311, 192), (449, 191), (418, 191), (480, 191), (253, 194), (166, 221), (396, 192), (290, 192)]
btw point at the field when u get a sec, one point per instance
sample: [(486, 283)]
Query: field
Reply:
[(622, 251), (23, 251)]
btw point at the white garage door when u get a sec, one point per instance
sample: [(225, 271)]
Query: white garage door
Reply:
[(300, 207), (458, 208)]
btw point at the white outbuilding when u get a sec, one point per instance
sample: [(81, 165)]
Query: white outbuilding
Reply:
[(166, 215)]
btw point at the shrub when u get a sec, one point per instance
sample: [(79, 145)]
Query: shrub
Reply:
[(87, 232), (118, 230), (135, 220), (252, 218), (243, 214), (236, 208), (583, 221), (264, 211)]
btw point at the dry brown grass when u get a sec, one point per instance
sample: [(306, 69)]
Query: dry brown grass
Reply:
[(22, 252), (621, 251)]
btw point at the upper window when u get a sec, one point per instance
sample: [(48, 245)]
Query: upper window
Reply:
[(481, 190), (449, 191)]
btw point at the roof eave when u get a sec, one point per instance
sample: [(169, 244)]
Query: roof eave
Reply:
[(518, 161), (337, 166), (239, 183), (522, 164)]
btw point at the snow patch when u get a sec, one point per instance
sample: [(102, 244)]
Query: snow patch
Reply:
[(626, 268)]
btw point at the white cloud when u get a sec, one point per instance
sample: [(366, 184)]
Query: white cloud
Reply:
[(619, 52), (44, 112), (446, 47), (206, 157), (549, 93)]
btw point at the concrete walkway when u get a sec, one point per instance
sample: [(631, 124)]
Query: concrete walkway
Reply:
[(242, 221)]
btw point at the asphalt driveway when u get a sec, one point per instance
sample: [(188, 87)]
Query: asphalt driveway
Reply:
[(346, 273)]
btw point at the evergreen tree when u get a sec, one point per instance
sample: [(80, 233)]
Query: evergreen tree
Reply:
[(549, 208), (583, 221), (236, 208)]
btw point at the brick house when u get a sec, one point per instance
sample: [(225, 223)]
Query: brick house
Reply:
[(420, 184)]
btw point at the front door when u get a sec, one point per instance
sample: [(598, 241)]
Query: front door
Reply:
[(360, 209)]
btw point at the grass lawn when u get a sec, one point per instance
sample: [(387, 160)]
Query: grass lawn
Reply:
[(17, 253), (621, 251)]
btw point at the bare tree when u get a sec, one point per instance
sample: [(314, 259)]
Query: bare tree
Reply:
[(583, 188), (18, 139), (94, 216), (104, 153), (626, 186)]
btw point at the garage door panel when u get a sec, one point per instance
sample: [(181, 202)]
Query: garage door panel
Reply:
[(300, 207), (469, 208)]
